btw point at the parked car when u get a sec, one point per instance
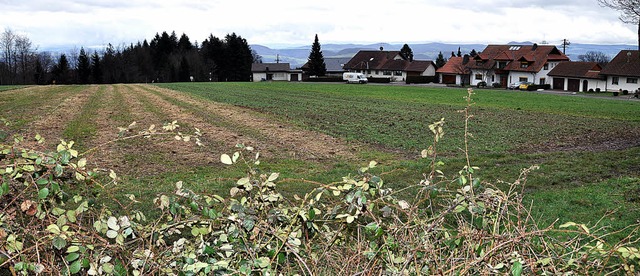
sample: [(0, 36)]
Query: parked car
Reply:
[(515, 85), (525, 85)]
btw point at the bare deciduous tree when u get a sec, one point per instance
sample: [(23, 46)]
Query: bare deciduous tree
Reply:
[(7, 46), (629, 9), (595, 56)]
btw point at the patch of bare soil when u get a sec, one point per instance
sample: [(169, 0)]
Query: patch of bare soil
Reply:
[(52, 117), (277, 137), (624, 136)]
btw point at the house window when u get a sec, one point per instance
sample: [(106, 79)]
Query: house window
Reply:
[(479, 62), (397, 73), (493, 78), (632, 80), (369, 72), (524, 64), (386, 73), (502, 64), (478, 76), (546, 66), (543, 80), (521, 79), (377, 72), (614, 80)]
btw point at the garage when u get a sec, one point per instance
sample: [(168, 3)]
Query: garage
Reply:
[(449, 79), (558, 83), (574, 85)]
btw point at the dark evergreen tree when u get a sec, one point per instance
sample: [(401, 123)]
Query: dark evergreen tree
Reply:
[(317, 67), (459, 52), (473, 53), (440, 61), (61, 70), (96, 68), (237, 59), (184, 44), (84, 67), (39, 72), (406, 53), (184, 72)]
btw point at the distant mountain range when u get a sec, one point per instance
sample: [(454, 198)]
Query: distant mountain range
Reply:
[(297, 56)]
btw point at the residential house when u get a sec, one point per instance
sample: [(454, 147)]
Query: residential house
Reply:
[(506, 64), (274, 72), (455, 71), (623, 72), (577, 76), (333, 65), (389, 64)]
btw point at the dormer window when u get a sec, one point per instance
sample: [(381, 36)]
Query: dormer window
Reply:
[(524, 64), (502, 64), (479, 62)]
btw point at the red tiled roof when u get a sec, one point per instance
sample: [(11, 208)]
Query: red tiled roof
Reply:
[(454, 66), (536, 55), (574, 69), (626, 63)]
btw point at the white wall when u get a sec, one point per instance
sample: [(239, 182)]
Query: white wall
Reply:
[(622, 84), (279, 76)]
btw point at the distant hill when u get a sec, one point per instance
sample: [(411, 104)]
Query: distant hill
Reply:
[(297, 56)]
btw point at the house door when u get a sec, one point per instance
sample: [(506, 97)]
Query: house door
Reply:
[(574, 85), (269, 76), (558, 83), (294, 77), (503, 81), (585, 85)]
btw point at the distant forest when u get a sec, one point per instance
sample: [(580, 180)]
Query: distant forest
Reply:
[(166, 58)]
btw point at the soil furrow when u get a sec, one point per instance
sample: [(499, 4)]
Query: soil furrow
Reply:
[(294, 141)]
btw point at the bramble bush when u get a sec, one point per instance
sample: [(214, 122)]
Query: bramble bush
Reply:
[(54, 222)]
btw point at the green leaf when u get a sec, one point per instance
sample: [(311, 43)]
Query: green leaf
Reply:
[(112, 222), (262, 262), (72, 257), (75, 267), (73, 248), (59, 243), (42, 181), (516, 269), (43, 193)]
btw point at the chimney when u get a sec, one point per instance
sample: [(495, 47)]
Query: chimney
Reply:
[(535, 46)]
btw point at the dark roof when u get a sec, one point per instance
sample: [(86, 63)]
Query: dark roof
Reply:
[(420, 65), (535, 55), (454, 66), (372, 60), (386, 60), (574, 69), (626, 63), (271, 67)]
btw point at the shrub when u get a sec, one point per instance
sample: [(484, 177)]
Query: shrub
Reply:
[(625, 92), (598, 89), (496, 85), (379, 80), (591, 90)]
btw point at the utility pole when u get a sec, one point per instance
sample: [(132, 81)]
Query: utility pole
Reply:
[(565, 43)]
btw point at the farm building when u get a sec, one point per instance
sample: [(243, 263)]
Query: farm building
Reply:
[(388, 64), (454, 71), (274, 72), (577, 76), (623, 72)]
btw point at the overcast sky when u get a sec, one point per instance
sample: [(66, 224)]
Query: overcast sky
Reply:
[(54, 23)]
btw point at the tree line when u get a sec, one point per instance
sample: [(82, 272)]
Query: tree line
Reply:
[(165, 58)]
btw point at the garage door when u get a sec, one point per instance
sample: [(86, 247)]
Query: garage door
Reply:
[(449, 79), (558, 83), (574, 85)]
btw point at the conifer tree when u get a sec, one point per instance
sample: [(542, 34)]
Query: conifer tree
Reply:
[(96, 68), (84, 67), (406, 52), (440, 61), (317, 67)]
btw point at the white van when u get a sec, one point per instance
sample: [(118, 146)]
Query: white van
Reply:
[(354, 78)]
